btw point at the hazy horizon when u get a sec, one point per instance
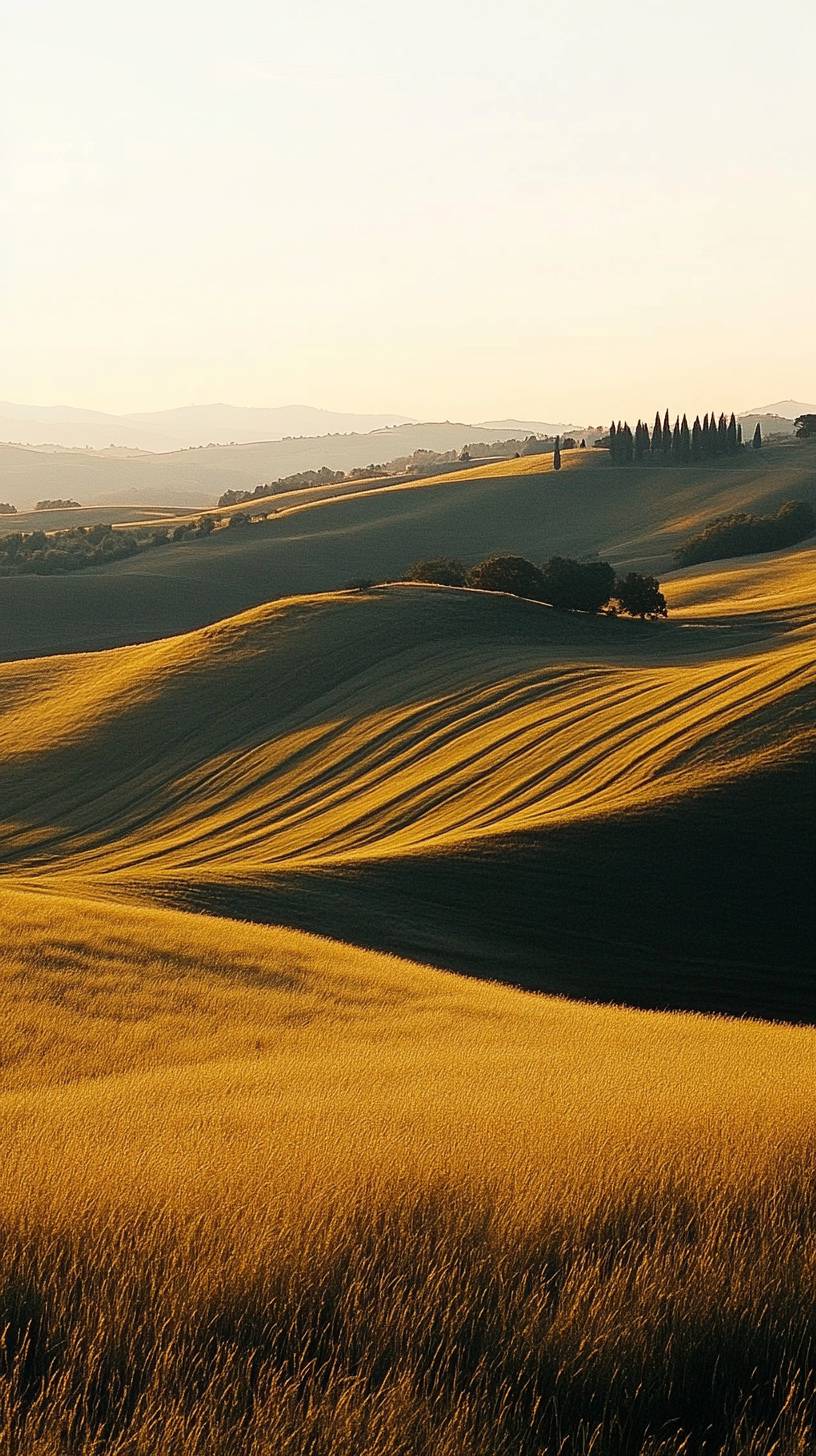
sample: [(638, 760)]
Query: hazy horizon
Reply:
[(490, 212)]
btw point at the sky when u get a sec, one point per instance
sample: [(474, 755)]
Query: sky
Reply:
[(463, 209)]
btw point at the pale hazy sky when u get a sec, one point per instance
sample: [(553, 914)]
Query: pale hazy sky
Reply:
[(450, 208)]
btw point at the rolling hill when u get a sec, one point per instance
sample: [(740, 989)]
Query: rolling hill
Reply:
[(264, 1193), (310, 760), (323, 539)]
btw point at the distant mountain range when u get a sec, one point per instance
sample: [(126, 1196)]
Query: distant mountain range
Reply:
[(192, 477), (174, 429), (787, 409)]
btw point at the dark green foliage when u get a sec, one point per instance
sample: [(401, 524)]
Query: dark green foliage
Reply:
[(757, 440), (557, 454), (679, 445), (56, 505), (514, 574), (640, 596), (805, 428), (439, 571), (579, 586), (742, 534), (238, 518), (6, 509), (37, 554)]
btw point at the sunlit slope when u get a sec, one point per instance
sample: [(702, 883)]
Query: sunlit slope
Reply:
[(632, 517), (333, 727), (239, 1164)]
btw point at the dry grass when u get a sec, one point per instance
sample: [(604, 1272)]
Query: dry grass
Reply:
[(266, 1194), (339, 727)]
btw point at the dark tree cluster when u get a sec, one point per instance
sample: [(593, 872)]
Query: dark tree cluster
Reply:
[(805, 426), (35, 553), (577, 586), (676, 444), (743, 535), (6, 509), (56, 505)]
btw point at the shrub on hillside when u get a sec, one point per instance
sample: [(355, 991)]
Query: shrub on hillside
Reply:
[(6, 509), (439, 571), (640, 596), (56, 505), (578, 586), (742, 534), (513, 574)]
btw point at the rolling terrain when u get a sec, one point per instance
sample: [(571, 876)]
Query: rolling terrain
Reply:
[(266, 1192), (411, 767), (634, 518)]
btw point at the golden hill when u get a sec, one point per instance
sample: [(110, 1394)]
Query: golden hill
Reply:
[(631, 517), (264, 1194), (268, 1195), (345, 747)]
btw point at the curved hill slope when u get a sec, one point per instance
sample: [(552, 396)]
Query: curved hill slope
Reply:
[(632, 517), (328, 756)]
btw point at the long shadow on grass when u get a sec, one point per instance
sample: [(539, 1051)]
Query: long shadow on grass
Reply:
[(706, 903)]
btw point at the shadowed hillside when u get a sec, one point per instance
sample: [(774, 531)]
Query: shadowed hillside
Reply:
[(449, 773), (632, 517)]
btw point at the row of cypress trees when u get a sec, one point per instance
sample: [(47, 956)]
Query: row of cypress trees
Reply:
[(678, 443)]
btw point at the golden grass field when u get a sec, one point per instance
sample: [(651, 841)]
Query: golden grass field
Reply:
[(265, 1192)]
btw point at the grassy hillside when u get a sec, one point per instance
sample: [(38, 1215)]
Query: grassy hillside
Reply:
[(263, 1194), (632, 517), (410, 765), (273, 1196)]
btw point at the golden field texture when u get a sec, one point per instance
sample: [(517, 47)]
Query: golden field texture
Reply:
[(270, 1194), (263, 1193)]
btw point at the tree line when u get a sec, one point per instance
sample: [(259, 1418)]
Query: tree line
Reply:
[(679, 443), (578, 586), (33, 553)]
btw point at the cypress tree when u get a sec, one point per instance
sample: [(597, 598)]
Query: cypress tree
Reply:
[(732, 433), (657, 435), (722, 435), (628, 443), (697, 439), (676, 439), (613, 443), (667, 435), (638, 442), (557, 453), (713, 437), (757, 441), (706, 441), (685, 440), (647, 439), (739, 436)]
